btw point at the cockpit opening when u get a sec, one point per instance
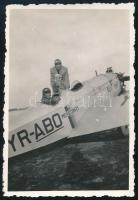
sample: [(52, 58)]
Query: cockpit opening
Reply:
[(76, 85)]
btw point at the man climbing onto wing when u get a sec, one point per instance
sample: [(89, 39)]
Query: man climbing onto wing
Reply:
[(59, 77)]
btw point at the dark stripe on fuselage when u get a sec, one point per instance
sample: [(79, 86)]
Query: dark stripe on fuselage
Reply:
[(50, 133)]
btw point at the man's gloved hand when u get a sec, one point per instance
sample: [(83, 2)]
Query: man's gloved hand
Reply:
[(55, 99), (58, 79)]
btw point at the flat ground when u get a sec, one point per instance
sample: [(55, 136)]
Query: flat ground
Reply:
[(75, 166)]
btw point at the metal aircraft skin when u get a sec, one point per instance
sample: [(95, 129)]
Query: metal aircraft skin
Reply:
[(96, 105)]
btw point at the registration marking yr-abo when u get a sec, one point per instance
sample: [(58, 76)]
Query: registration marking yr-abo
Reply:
[(39, 132)]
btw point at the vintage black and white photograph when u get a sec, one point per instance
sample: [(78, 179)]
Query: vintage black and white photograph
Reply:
[(69, 95)]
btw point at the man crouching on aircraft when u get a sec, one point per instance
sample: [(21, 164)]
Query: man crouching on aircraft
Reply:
[(48, 99), (59, 77)]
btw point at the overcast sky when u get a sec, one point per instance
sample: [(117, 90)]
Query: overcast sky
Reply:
[(85, 40)]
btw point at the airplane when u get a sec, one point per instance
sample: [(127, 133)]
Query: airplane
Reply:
[(91, 107)]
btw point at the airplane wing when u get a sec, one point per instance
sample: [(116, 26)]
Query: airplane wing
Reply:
[(74, 116), (39, 132)]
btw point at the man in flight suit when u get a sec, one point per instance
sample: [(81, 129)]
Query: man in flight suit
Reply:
[(59, 77), (48, 99), (46, 96)]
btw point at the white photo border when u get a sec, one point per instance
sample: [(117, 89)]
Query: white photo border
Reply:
[(88, 193)]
